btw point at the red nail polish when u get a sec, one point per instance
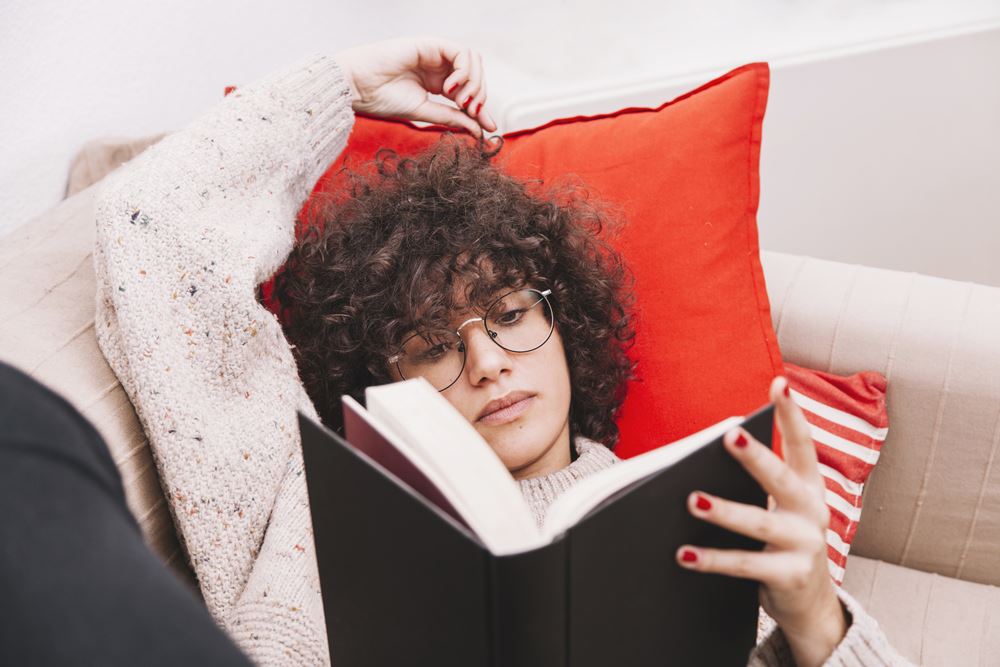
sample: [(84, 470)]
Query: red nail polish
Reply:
[(786, 391), (741, 441), (479, 108), (466, 103), (702, 503), (452, 89), (688, 556)]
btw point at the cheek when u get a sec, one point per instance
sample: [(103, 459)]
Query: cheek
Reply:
[(556, 369), (462, 400)]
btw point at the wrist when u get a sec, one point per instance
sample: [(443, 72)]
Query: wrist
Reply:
[(812, 645), (348, 73)]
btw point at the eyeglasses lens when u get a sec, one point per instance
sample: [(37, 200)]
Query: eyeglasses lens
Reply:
[(436, 356), (519, 321)]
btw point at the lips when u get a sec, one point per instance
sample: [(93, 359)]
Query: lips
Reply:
[(505, 408)]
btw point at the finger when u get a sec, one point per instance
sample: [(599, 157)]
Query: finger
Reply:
[(780, 529), (468, 93), (476, 108), (452, 86), (486, 120), (437, 49), (477, 87), (781, 568), (796, 436), (773, 474), (482, 116), (459, 76), (469, 82), (444, 114)]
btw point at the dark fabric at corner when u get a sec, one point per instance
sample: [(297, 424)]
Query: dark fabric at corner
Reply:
[(78, 584)]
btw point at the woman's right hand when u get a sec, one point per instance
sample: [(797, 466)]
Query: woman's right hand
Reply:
[(393, 79)]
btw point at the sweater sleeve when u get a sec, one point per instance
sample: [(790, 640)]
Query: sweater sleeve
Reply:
[(185, 233), (864, 645)]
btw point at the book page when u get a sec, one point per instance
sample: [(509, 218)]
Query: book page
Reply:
[(491, 501), (364, 433)]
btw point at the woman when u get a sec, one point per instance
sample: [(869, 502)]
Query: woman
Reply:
[(189, 230)]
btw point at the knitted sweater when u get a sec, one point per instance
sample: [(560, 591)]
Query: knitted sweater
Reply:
[(185, 233)]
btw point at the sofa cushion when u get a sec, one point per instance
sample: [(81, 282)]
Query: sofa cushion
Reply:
[(932, 620), (99, 157), (47, 290), (933, 502), (848, 422)]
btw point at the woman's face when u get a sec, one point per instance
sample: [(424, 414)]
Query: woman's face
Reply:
[(518, 401)]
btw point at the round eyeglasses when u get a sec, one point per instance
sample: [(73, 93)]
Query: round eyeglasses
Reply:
[(519, 321)]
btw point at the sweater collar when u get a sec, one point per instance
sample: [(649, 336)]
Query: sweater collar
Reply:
[(539, 492)]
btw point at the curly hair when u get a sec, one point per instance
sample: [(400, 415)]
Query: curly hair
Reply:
[(387, 261)]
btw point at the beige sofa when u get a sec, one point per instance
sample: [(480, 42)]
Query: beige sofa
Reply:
[(926, 560)]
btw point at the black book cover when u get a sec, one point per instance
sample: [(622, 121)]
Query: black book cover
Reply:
[(403, 583)]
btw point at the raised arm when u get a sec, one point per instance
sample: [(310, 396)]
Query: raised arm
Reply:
[(185, 233)]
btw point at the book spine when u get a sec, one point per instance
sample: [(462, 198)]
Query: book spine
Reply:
[(528, 607)]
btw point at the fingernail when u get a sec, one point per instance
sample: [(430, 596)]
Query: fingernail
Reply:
[(786, 391), (466, 103), (478, 108), (688, 556), (741, 441), (452, 89), (702, 503)]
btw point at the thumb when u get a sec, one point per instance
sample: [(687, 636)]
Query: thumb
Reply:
[(443, 114)]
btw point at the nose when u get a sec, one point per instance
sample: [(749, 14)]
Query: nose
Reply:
[(484, 360)]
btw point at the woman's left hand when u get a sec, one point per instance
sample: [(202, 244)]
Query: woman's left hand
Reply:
[(394, 78), (796, 589)]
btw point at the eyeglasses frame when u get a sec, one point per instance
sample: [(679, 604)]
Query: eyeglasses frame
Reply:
[(394, 359)]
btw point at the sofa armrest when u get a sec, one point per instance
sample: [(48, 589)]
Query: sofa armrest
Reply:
[(100, 157), (47, 289), (933, 501)]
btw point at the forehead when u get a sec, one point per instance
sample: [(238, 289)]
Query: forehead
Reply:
[(463, 310)]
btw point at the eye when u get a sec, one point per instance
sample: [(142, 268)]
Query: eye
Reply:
[(434, 352), (510, 317)]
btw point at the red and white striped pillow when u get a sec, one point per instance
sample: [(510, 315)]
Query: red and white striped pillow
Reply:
[(849, 423)]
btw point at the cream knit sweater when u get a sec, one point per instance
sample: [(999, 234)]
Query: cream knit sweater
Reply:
[(185, 233)]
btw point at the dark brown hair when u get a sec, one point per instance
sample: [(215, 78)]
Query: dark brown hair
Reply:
[(386, 261)]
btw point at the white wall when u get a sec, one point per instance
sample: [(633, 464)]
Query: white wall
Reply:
[(70, 72), (881, 151), (889, 157)]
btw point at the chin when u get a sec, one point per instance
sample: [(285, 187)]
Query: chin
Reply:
[(521, 449), (515, 454)]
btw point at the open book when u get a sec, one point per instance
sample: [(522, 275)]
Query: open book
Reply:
[(429, 555)]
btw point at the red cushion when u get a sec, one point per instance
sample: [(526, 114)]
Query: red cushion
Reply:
[(849, 422), (686, 175)]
